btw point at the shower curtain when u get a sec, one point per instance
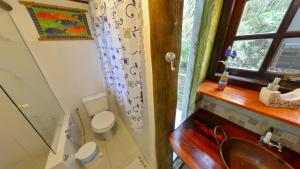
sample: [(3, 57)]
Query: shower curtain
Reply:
[(117, 26)]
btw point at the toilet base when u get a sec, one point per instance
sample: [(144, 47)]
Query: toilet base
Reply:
[(108, 134)]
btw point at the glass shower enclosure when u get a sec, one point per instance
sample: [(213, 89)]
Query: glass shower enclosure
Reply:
[(24, 84)]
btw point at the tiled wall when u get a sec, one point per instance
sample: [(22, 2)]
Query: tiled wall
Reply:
[(286, 134)]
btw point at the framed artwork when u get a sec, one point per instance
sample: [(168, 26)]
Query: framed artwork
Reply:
[(58, 23)]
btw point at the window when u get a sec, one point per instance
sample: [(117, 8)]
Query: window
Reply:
[(266, 34)]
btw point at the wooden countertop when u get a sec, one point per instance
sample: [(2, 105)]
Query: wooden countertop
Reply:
[(194, 143), (249, 99)]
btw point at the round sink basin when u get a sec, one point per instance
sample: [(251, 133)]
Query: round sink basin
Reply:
[(242, 154)]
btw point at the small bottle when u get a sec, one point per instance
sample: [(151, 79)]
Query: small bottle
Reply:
[(223, 81)]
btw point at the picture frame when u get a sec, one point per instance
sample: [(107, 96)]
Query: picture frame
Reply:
[(58, 23)]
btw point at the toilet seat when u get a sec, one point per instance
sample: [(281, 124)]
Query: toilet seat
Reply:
[(87, 153), (103, 121)]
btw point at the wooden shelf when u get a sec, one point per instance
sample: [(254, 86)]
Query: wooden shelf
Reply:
[(249, 99)]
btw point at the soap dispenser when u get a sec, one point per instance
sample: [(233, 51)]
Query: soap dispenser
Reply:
[(274, 86), (268, 92)]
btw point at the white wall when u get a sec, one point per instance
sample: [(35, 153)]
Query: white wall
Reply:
[(18, 139), (147, 139), (71, 67)]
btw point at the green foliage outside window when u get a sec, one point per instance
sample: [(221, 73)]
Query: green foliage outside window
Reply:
[(187, 30), (260, 16)]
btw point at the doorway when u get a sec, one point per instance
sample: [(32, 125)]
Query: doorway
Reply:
[(192, 15)]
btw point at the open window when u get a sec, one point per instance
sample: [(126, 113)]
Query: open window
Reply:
[(266, 34)]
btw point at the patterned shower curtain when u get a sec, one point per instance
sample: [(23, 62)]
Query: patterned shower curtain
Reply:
[(118, 34)]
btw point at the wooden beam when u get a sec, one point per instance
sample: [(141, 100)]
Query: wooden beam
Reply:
[(269, 35), (165, 32)]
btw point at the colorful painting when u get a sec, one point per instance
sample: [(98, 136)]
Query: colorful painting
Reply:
[(58, 23)]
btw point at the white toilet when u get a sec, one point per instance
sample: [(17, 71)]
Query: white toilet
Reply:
[(103, 120), (102, 123)]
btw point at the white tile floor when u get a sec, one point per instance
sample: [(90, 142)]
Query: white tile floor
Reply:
[(33, 162), (120, 152)]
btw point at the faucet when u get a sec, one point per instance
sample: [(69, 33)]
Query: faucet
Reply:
[(266, 139)]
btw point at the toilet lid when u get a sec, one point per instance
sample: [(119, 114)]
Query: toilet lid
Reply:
[(103, 120), (87, 151)]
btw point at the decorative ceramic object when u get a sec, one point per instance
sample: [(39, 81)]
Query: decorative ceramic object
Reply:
[(276, 99)]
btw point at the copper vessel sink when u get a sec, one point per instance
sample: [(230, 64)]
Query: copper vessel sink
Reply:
[(238, 153)]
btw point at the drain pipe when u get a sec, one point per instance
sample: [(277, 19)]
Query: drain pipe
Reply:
[(82, 126)]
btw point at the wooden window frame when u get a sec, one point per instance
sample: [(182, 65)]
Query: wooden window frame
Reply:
[(231, 15)]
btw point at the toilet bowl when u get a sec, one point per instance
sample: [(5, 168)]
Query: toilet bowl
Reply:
[(88, 154), (102, 123), (103, 120)]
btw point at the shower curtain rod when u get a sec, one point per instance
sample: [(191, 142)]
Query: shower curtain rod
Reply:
[(5, 6)]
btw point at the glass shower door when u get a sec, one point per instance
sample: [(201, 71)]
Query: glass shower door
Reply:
[(23, 82)]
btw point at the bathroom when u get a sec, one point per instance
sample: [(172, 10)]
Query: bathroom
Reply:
[(99, 84)]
